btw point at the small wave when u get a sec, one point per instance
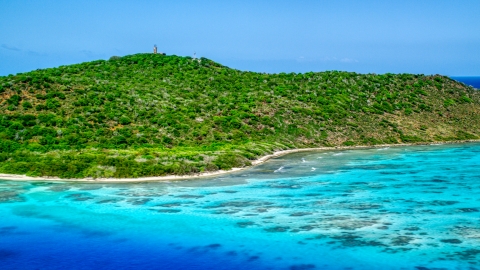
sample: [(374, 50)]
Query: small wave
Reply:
[(384, 148), (278, 170), (313, 169), (319, 157), (303, 160), (337, 154)]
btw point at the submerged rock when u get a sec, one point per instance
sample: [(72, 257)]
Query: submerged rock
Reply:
[(9, 196), (401, 240), (277, 229), (451, 241)]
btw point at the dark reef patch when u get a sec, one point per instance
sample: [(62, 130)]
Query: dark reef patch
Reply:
[(351, 240), (213, 246), (9, 196), (244, 224), (451, 241), (168, 211), (6, 230), (401, 240), (168, 205), (469, 254), (300, 214), (187, 196), (239, 204), (443, 203), (253, 258), (59, 188), (277, 229), (6, 254), (95, 233), (302, 267), (226, 211), (90, 187), (468, 210), (140, 201), (79, 197), (115, 200)]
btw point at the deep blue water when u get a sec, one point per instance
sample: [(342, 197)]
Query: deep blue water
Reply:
[(473, 81), (390, 208)]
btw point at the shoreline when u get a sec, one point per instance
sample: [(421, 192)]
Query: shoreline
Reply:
[(16, 177)]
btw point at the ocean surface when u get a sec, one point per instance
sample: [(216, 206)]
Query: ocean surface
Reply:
[(415, 207), (473, 81)]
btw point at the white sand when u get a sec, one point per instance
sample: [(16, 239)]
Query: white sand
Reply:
[(261, 160)]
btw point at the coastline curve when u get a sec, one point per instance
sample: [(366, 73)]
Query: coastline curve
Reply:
[(263, 159)]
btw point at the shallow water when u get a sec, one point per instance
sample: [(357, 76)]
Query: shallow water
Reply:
[(412, 207)]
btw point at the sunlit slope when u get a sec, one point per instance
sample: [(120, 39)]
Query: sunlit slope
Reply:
[(150, 114)]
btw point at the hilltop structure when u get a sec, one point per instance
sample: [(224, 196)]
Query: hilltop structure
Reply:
[(152, 115), (155, 50)]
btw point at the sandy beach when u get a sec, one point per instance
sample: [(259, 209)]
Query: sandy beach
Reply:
[(15, 177)]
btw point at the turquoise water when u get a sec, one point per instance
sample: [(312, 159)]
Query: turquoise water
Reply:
[(412, 207)]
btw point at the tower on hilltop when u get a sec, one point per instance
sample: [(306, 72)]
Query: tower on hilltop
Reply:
[(155, 49)]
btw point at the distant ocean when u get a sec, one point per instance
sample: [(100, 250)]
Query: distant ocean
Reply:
[(473, 81)]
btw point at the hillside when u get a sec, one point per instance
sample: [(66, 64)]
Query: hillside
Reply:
[(150, 114)]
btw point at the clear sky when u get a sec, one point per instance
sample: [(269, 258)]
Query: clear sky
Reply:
[(421, 36)]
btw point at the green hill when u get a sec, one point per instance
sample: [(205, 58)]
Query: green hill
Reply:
[(150, 114)]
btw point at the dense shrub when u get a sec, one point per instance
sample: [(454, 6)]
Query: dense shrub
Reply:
[(194, 108)]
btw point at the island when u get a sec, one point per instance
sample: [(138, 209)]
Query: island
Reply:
[(153, 115)]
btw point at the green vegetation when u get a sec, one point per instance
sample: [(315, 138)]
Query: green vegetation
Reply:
[(150, 114)]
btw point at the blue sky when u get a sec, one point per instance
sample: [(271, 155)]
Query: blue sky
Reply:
[(405, 36)]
